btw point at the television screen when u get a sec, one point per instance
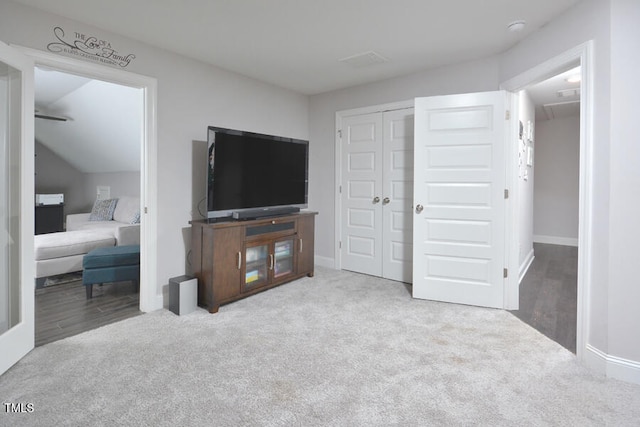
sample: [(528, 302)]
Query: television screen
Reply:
[(254, 171)]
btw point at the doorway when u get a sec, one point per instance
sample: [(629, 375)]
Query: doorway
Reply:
[(548, 203), (81, 156), (579, 56), (149, 298)]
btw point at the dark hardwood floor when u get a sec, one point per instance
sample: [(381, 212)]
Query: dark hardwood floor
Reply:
[(63, 310), (548, 293)]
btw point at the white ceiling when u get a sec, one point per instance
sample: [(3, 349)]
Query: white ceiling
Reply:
[(297, 44), (103, 126)]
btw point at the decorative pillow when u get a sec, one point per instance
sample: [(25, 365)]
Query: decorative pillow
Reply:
[(103, 210)]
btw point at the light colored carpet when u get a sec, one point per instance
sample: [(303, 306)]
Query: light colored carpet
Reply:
[(340, 349)]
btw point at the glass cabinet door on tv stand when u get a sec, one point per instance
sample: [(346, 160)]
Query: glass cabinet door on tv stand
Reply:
[(283, 251), (257, 266), (268, 262)]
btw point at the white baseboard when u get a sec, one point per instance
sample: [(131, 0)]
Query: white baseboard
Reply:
[(156, 302), (612, 366), (555, 240), (325, 262), (524, 267), (159, 302)]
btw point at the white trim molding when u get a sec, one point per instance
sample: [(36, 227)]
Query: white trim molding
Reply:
[(555, 240), (524, 267), (327, 262), (612, 366)]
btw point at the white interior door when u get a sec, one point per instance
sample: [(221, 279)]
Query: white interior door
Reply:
[(361, 199), (459, 242), (16, 207), (397, 192)]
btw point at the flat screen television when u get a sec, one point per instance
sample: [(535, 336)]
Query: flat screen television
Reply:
[(252, 175)]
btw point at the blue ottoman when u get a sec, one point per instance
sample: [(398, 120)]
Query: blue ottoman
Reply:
[(111, 264)]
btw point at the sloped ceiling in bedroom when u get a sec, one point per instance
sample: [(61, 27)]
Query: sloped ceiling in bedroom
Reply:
[(103, 126)]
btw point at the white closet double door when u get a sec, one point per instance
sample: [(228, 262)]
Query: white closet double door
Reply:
[(377, 194)]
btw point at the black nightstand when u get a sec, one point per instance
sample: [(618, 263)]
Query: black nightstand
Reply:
[(49, 218)]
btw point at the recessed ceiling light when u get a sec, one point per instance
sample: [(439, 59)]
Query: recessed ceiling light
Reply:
[(575, 78), (516, 26)]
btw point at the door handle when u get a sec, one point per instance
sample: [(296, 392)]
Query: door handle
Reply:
[(386, 201), (419, 208), (300, 245), (239, 260), (376, 200), (270, 261)]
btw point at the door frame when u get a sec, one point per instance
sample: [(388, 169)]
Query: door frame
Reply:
[(150, 299), (19, 339), (338, 163), (583, 55)]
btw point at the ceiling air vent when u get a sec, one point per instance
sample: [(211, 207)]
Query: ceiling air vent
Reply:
[(568, 93), (364, 59)]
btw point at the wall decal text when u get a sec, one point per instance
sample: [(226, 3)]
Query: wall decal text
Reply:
[(88, 47)]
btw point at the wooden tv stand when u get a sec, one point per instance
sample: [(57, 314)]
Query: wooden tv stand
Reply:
[(235, 259)]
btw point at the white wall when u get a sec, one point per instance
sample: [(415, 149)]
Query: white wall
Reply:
[(623, 326), (557, 165), (121, 184), (526, 116), (55, 175), (191, 96)]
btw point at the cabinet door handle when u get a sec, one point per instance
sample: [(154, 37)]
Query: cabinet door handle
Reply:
[(300, 245), (239, 260), (270, 261)]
